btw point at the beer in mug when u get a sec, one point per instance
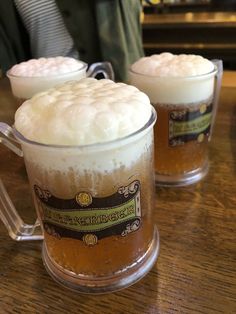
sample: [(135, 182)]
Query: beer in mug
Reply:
[(182, 89), (88, 150)]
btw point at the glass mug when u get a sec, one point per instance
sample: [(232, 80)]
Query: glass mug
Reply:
[(183, 129), (24, 87), (97, 227)]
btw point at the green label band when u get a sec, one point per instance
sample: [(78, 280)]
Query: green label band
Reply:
[(87, 217), (196, 126), (185, 125), (91, 220)]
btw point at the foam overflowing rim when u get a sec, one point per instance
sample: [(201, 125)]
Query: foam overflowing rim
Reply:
[(84, 67), (192, 77), (147, 126)]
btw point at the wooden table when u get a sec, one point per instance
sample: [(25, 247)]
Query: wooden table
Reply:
[(195, 272)]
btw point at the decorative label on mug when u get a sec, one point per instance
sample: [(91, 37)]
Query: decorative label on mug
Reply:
[(91, 218), (189, 125)]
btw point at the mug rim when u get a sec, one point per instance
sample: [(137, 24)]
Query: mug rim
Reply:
[(192, 77)]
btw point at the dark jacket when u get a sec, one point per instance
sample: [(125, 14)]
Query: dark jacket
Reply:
[(14, 40), (102, 30)]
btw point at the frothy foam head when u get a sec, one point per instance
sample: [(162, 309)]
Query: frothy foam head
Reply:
[(36, 75), (46, 67), (167, 64), (174, 79), (83, 112)]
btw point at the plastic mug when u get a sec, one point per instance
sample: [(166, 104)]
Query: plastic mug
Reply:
[(186, 109), (94, 205)]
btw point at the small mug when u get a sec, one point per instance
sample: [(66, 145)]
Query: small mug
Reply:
[(184, 125)]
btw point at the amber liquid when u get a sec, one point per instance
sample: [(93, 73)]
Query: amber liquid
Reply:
[(113, 253), (179, 159)]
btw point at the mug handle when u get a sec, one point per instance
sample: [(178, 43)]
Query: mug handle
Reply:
[(17, 229), (219, 66), (104, 68)]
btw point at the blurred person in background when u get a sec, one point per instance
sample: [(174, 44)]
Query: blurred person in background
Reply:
[(89, 30)]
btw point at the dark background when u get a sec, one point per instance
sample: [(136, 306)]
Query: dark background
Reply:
[(205, 27)]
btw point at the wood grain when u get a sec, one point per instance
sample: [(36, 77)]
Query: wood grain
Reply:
[(195, 272)]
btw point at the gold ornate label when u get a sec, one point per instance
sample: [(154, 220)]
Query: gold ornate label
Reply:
[(186, 125), (91, 218)]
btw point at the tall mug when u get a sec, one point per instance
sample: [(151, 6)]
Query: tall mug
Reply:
[(92, 181), (184, 90)]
